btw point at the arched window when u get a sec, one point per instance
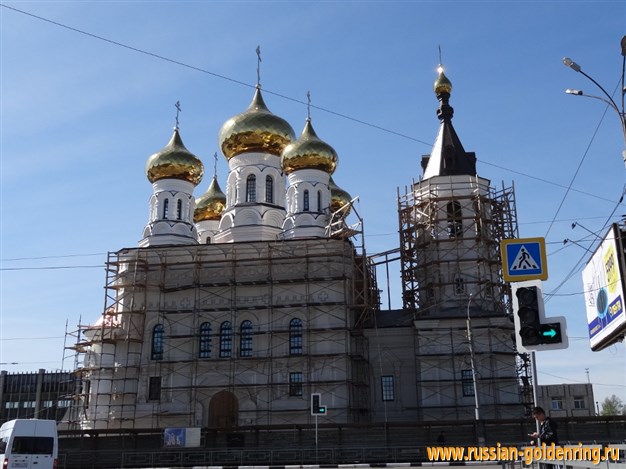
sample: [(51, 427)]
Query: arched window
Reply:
[(204, 350), (295, 337), (157, 342), (226, 339), (251, 188), (166, 208), (455, 220), (269, 189), (319, 201), (179, 210), (305, 201), (245, 339)]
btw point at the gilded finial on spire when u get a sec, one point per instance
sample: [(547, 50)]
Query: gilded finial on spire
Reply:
[(442, 84), (308, 105), (178, 110), (258, 66), (215, 164)]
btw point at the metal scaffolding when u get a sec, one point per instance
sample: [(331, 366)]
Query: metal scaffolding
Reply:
[(450, 233), (225, 352), (448, 224)]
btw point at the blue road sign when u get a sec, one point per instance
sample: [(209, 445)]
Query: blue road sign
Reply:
[(524, 259)]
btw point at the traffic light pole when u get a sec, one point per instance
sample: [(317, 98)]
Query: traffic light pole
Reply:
[(533, 365)]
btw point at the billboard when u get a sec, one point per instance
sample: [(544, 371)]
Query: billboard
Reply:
[(603, 281)]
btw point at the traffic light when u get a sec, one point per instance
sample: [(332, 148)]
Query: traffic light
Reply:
[(529, 315), (533, 332), (316, 407)]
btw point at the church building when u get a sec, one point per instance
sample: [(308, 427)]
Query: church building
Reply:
[(235, 307)]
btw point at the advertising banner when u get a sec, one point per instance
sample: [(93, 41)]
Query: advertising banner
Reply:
[(604, 291), (181, 437)]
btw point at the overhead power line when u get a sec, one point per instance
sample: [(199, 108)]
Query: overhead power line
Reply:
[(329, 111), (54, 267), (280, 95), (208, 72), (61, 256)]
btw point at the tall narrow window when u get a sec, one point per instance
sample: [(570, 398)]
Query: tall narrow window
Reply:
[(295, 337), (295, 384), (226, 339), (269, 189), (455, 220), (154, 388), (459, 286), (166, 208), (157, 342), (388, 388), (319, 201), (205, 340), (251, 188), (245, 339), (467, 382), (179, 209), (305, 201)]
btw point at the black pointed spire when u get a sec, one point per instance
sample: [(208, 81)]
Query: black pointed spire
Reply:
[(448, 157)]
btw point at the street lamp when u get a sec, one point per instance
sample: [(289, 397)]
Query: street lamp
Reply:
[(471, 350), (609, 100), (480, 434)]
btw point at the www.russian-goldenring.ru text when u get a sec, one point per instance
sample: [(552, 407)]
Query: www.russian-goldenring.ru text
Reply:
[(529, 453)]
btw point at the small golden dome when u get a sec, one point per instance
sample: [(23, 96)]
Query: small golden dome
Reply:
[(175, 162), (338, 197), (211, 204), (309, 152), (255, 130), (442, 84)]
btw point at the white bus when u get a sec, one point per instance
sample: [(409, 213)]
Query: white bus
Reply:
[(29, 443)]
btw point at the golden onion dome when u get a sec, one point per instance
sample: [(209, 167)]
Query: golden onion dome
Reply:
[(255, 130), (309, 152), (338, 197), (442, 84), (211, 204), (175, 162)]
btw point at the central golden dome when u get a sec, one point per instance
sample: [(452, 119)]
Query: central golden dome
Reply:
[(211, 204), (309, 152), (174, 161), (255, 130)]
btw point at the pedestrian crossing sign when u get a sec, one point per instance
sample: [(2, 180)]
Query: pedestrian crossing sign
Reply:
[(524, 259)]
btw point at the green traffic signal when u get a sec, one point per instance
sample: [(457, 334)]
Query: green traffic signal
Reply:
[(551, 333)]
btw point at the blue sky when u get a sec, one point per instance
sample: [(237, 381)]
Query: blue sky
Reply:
[(80, 116)]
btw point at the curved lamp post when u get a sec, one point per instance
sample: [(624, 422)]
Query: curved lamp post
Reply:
[(609, 99)]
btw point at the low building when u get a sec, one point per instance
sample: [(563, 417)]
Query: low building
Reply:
[(567, 400), (44, 395)]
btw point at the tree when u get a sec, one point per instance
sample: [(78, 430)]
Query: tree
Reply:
[(612, 405)]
